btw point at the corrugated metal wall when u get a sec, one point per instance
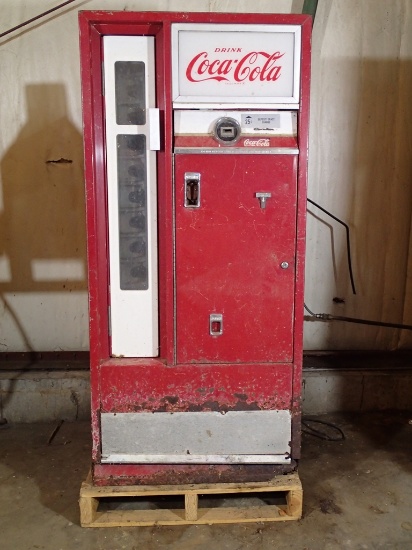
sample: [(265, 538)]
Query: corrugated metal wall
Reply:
[(360, 169)]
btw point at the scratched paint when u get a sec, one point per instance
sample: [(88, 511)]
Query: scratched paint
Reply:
[(225, 261), (158, 474), (156, 387)]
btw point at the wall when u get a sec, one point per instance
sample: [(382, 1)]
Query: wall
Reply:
[(360, 169)]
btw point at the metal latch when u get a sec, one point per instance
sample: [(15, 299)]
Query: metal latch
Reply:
[(262, 198), (154, 129)]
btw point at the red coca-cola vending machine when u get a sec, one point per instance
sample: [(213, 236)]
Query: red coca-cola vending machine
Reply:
[(196, 138)]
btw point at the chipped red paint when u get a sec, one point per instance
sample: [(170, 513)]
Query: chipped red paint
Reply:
[(176, 474), (119, 385), (158, 387)]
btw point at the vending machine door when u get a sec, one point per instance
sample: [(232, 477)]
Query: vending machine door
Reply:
[(131, 140), (235, 257)]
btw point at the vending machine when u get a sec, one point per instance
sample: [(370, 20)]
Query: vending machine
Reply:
[(196, 142)]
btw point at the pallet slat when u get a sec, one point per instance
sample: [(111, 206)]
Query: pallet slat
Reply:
[(191, 513)]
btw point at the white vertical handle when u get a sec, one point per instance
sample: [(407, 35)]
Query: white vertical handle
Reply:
[(154, 129)]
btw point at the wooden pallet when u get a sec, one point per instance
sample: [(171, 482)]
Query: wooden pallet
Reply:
[(93, 500)]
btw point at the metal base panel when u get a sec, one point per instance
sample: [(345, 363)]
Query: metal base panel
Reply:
[(254, 437)]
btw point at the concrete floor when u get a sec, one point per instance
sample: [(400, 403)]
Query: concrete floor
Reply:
[(357, 494)]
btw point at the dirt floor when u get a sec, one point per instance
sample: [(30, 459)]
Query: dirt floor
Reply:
[(357, 494)]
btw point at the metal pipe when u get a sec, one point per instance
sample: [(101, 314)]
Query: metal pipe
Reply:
[(309, 8), (346, 226), (328, 317)]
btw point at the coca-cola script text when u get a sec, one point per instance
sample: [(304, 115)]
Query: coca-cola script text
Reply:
[(262, 142), (261, 66)]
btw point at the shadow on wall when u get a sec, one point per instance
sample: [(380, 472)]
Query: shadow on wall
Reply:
[(43, 224), (42, 227)]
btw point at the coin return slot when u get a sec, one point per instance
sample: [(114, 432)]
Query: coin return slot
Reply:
[(216, 324), (192, 190)]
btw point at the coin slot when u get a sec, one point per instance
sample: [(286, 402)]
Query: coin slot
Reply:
[(227, 130)]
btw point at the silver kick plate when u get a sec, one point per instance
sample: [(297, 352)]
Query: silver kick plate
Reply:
[(199, 437)]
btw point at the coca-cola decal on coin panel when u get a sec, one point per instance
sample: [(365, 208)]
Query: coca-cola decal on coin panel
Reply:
[(261, 142), (230, 63)]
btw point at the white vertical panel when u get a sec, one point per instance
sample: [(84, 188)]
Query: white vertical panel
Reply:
[(134, 313)]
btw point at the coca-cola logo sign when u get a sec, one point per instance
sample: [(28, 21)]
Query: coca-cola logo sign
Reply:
[(261, 142), (250, 66), (235, 64)]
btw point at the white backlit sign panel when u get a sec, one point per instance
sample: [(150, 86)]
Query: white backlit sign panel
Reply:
[(240, 65)]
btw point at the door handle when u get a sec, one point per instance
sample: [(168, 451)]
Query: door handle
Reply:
[(262, 198), (154, 129)]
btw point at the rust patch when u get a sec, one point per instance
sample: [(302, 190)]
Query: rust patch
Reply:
[(173, 403), (172, 399), (241, 396), (132, 390), (200, 473)]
